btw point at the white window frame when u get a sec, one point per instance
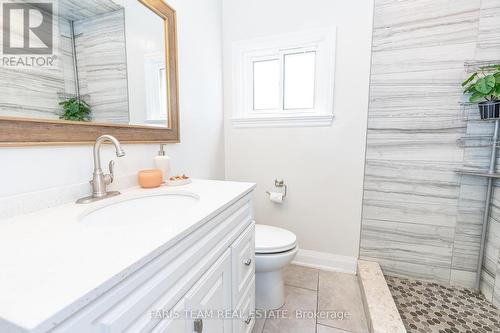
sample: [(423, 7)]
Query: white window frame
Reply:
[(245, 53), (156, 107)]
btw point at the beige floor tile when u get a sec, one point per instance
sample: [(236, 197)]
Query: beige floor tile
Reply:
[(259, 325), (297, 299), (302, 277), (339, 292), (328, 329)]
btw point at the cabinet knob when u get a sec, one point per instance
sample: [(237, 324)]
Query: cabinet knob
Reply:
[(247, 262), (198, 325), (248, 320)]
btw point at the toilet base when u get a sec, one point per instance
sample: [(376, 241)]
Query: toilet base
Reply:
[(269, 290)]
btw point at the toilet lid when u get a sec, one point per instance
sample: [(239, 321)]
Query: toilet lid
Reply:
[(269, 239)]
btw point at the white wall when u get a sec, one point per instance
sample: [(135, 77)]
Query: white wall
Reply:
[(201, 151), (323, 166)]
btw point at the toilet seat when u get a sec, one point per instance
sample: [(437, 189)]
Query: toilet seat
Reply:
[(269, 239)]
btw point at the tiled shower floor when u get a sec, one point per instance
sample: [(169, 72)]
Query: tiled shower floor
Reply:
[(430, 307)]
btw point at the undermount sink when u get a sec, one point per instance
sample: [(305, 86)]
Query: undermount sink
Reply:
[(155, 208)]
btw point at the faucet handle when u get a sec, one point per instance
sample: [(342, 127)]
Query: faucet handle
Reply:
[(109, 178)]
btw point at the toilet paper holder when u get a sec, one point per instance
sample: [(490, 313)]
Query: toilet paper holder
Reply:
[(280, 183)]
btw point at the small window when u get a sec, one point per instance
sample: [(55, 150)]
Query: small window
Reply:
[(266, 84), (284, 80), (298, 80)]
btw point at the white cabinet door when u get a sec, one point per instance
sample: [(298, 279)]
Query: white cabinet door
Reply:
[(210, 299)]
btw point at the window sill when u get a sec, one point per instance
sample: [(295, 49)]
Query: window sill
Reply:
[(284, 121)]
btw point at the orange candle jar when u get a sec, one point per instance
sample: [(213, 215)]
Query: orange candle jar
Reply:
[(150, 178)]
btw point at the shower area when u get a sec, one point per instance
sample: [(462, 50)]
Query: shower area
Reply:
[(428, 155)]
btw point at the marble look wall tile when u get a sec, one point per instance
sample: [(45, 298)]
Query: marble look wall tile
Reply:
[(437, 130), (488, 46), (104, 74), (423, 23), (414, 118), (472, 193), (430, 80), (494, 223), (466, 245), (407, 242), (411, 148), (487, 285), (39, 87), (468, 228), (390, 106), (423, 59), (413, 271), (492, 247), (488, 49), (416, 98), (39, 91), (463, 279), (412, 181), (103, 69), (80, 9), (496, 286), (409, 212), (429, 225), (415, 139)]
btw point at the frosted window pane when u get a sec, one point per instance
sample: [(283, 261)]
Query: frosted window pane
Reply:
[(299, 72), (266, 84)]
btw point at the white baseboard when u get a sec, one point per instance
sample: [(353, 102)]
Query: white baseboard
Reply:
[(326, 261)]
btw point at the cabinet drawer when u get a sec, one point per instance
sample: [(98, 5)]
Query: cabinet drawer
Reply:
[(243, 262), (246, 310)]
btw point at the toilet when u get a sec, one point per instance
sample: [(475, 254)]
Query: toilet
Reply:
[(274, 249)]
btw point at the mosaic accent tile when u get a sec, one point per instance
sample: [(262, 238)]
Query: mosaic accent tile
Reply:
[(433, 308)]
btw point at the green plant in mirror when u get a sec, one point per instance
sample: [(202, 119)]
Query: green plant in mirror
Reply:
[(483, 85), (75, 109)]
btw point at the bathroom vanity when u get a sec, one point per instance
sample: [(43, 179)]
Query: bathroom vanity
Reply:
[(164, 260)]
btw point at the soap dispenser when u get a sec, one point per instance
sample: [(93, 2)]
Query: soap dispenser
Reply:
[(162, 162)]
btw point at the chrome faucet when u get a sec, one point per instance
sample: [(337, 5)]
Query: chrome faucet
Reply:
[(101, 180)]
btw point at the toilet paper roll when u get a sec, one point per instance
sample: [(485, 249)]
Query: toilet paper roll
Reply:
[(276, 197)]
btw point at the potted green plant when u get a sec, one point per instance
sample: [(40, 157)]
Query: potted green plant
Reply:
[(75, 109), (483, 87)]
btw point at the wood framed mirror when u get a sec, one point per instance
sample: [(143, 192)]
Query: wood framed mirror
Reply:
[(99, 67)]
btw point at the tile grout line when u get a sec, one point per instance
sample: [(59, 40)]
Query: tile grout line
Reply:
[(291, 285), (336, 328)]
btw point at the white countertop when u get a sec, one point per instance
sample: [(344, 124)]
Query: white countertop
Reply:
[(51, 264)]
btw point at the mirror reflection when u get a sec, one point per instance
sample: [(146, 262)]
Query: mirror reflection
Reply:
[(109, 67)]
